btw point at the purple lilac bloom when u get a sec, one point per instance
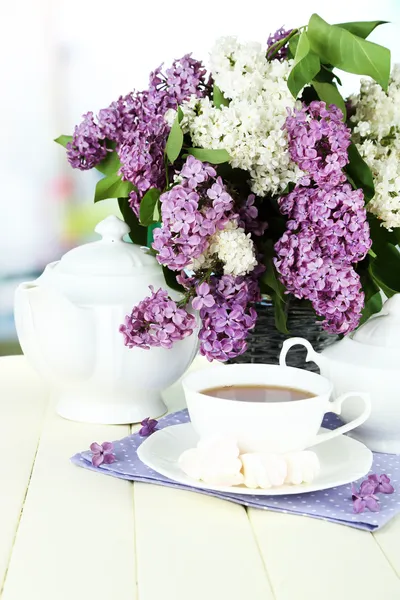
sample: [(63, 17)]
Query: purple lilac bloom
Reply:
[(88, 146), (318, 143), (381, 484), (331, 284), (280, 34), (336, 216), (327, 228), (186, 77), (148, 427), (364, 497), (142, 156), (157, 321), (192, 212), (136, 124), (203, 299), (248, 218), (226, 323), (102, 453)]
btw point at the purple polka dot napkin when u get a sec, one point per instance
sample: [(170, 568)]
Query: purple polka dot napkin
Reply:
[(331, 505)]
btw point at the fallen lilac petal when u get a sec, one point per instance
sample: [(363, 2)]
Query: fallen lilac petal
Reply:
[(107, 446), (372, 503), (359, 505), (108, 459), (148, 427), (97, 459), (95, 447)]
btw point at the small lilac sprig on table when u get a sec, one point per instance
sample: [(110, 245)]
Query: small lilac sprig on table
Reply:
[(102, 454), (148, 427), (366, 497)]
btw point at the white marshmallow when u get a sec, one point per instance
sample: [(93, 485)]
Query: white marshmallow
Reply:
[(215, 461), (302, 467), (263, 470)]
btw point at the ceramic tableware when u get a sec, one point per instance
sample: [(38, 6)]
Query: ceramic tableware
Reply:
[(367, 360), (68, 326), (277, 427), (342, 461)]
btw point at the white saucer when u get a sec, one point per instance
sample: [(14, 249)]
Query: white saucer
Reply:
[(342, 460)]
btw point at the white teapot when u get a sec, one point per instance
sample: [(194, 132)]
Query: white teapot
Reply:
[(68, 320), (367, 360)]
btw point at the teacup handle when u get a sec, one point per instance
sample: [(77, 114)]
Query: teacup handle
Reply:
[(336, 407), (298, 341)]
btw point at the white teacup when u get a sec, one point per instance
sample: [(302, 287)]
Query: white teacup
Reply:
[(266, 426)]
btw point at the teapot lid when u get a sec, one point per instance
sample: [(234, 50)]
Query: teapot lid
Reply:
[(110, 256), (383, 329)]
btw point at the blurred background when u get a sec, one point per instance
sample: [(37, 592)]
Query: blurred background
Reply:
[(61, 58)]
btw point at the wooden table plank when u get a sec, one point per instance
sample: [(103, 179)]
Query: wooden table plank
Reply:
[(310, 559), (191, 546), (76, 534), (22, 402), (388, 539)]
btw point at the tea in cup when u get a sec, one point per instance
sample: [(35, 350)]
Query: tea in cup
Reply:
[(265, 408)]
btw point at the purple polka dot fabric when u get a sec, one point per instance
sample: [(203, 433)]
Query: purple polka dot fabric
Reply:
[(331, 505)]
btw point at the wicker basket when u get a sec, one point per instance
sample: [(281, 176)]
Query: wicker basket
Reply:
[(265, 341)]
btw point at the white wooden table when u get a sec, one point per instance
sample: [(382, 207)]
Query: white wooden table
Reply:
[(70, 534)]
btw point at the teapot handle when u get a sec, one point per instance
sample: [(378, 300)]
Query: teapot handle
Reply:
[(298, 341)]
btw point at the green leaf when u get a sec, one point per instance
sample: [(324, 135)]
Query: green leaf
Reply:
[(293, 42), (280, 313), (373, 297), (147, 206), (110, 165), (175, 140), (270, 278), (326, 75), (344, 50), (385, 269), (112, 186), (380, 236), (170, 280), (63, 140), (157, 212), (215, 157), (396, 233), (306, 66), (138, 233), (328, 93), (361, 28), (360, 172), (219, 98), (276, 46)]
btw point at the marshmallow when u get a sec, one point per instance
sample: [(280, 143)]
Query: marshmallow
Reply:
[(263, 470), (302, 467), (214, 461)]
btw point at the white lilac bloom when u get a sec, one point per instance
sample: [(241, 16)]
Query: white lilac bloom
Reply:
[(251, 128), (377, 136), (233, 247)]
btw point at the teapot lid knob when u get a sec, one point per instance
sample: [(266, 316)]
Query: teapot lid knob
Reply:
[(112, 229)]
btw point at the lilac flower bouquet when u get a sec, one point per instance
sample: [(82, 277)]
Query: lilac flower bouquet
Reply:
[(256, 177)]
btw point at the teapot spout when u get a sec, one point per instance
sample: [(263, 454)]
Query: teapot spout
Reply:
[(53, 332), (312, 355)]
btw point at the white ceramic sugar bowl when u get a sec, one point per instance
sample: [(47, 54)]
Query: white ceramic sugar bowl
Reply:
[(68, 326), (367, 360)]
